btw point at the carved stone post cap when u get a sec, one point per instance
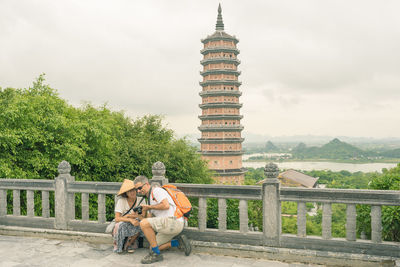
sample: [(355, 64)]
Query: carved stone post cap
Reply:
[(158, 169), (271, 170), (64, 167)]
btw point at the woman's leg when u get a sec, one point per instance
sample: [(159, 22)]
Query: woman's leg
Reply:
[(115, 237), (130, 241), (125, 231)]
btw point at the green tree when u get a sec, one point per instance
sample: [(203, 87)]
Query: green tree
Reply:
[(38, 130), (388, 180)]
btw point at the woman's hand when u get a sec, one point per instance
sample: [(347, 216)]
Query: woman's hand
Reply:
[(132, 215), (134, 222)]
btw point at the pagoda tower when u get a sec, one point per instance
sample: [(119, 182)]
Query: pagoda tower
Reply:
[(221, 140)]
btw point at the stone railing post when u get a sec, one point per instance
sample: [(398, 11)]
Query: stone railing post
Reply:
[(158, 170), (271, 206), (3, 202), (64, 201)]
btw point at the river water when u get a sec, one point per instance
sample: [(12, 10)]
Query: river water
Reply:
[(333, 166)]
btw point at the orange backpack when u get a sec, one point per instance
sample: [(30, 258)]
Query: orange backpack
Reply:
[(183, 206)]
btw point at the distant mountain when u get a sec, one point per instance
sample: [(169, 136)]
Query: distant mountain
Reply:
[(316, 139), (301, 147), (270, 147), (394, 153), (335, 149)]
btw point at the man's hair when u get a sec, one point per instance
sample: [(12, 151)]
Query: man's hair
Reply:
[(141, 179)]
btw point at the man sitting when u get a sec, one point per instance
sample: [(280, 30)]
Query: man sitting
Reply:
[(163, 221)]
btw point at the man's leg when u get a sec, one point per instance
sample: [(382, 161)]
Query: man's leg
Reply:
[(165, 246), (181, 242), (148, 232), (150, 235), (165, 237)]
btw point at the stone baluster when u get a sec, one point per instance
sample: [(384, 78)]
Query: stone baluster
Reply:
[(243, 216), (85, 206), (202, 214), (351, 221), (16, 203), (271, 206), (221, 214), (3, 202), (30, 199), (64, 201), (158, 171), (376, 224), (326, 221), (45, 204), (101, 208), (301, 219)]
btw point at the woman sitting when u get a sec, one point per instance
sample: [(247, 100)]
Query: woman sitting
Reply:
[(125, 233)]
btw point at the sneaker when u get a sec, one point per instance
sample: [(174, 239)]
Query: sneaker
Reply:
[(184, 244), (152, 257)]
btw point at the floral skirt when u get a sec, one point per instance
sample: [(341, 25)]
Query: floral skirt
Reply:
[(122, 231)]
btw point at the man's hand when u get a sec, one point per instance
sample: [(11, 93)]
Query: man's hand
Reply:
[(145, 208)]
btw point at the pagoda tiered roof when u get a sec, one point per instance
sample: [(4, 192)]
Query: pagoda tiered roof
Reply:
[(219, 82), (220, 35), (222, 153), (220, 71), (219, 60), (221, 105), (221, 127), (230, 172), (221, 117), (220, 49), (221, 93)]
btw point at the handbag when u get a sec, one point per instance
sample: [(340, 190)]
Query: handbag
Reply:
[(111, 225)]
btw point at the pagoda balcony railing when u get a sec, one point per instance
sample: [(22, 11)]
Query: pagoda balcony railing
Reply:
[(220, 140), (221, 153), (220, 105), (220, 71), (219, 82), (220, 60), (221, 92), (220, 49), (221, 117), (220, 127), (50, 204)]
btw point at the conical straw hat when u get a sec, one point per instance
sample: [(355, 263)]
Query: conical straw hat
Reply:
[(126, 186)]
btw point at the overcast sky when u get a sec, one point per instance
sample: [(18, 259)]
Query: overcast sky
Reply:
[(308, 67)]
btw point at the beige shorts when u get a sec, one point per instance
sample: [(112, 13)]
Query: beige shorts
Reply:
[(166, 228)]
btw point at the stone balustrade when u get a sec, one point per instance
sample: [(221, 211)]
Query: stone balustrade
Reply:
[(64, 189)]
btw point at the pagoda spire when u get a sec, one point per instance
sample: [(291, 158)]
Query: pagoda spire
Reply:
[(220, 24)]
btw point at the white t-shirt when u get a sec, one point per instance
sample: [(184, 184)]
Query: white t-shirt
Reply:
[(122, 205), (156, 196)]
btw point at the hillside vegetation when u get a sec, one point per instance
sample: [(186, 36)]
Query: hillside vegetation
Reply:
[(333, 150)]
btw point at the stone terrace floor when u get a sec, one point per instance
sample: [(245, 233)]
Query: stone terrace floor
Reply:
[(30, 251)]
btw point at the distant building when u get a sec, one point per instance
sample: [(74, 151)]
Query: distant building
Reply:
[(292, 178), (221, 141), (297, 179)]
